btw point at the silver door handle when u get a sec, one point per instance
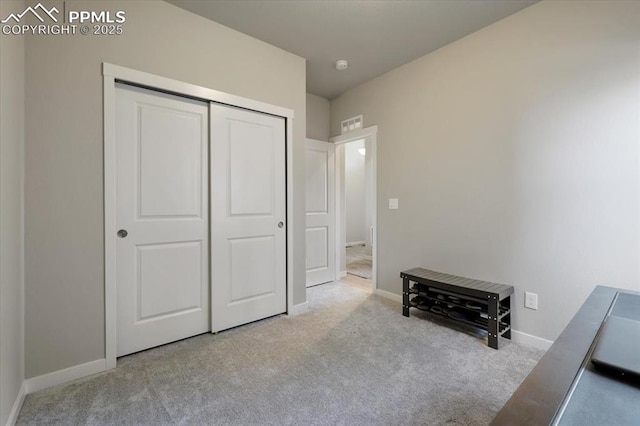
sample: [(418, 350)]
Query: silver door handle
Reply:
[(280, 224), (122, 233)]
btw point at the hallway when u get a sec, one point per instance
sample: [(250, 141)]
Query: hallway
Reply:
[(359, 261)]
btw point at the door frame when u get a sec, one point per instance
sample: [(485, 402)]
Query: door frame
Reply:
[(368, 134), (114, 73)]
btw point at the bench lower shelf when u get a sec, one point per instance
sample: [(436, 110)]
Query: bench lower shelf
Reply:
[(480, 304), (478, 322)]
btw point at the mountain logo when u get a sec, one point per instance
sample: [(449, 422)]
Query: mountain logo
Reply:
[(34, 11)]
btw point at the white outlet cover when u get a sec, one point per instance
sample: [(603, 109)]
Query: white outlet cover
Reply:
[(393, 203), (530, 300)]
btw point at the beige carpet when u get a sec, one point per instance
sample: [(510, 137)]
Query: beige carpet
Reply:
[(353, 359)]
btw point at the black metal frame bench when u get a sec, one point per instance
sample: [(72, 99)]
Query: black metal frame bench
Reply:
[(478, 303)]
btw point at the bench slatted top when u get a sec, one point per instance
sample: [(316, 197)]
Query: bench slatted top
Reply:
[(475, 287)]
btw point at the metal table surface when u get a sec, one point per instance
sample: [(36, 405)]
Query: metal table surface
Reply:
[(564, 388)]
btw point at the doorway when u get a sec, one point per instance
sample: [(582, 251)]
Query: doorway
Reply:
[(169, 233), (356, 230), (256, 199), (358, 208)]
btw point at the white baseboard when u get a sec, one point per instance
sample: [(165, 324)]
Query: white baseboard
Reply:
[(388, 295), (17, 405), (355, 243), (342, 274), (530, 340), (35, 384), (298, 309)]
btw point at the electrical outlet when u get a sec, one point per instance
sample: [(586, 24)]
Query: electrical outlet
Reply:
[(530, 300), (393, 203)]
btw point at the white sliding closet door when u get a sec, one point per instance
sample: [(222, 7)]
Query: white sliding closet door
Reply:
[(162, 218), (248, 216)]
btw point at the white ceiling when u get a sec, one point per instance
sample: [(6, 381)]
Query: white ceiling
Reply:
[(374, 36)]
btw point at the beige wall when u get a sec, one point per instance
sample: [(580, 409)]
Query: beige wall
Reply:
[(64, 184), (317, 117), (11, 215), (514, 153)]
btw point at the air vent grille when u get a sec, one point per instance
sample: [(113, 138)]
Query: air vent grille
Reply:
[(351, 124)]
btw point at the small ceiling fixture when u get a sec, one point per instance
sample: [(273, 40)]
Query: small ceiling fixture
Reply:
[(342, 65)]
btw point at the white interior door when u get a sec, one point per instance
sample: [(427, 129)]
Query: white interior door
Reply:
[(161, 217), (248, 216), (320, 212)]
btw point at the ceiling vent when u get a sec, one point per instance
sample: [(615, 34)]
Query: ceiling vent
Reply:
[(351, 124)]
